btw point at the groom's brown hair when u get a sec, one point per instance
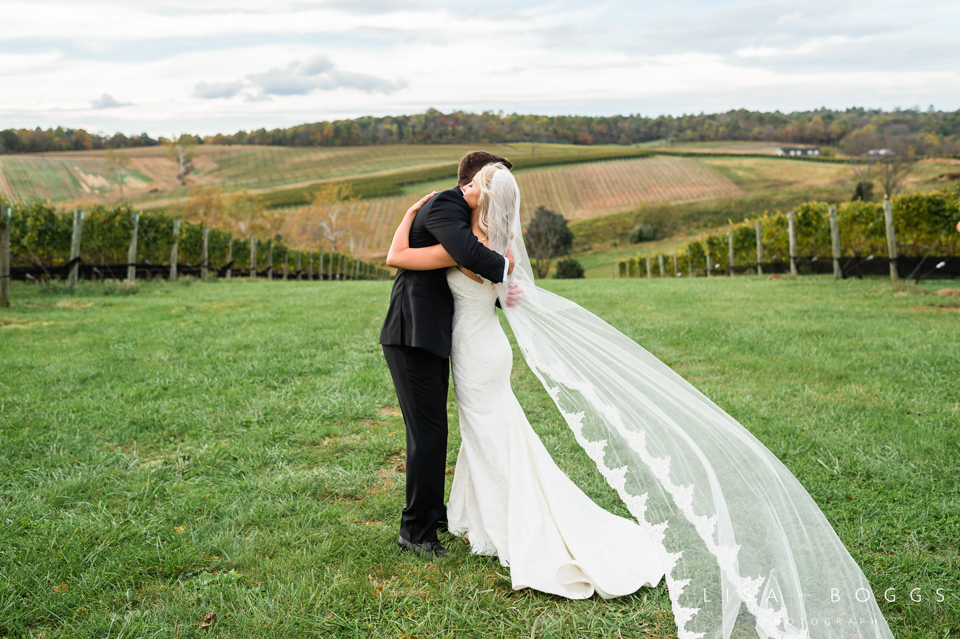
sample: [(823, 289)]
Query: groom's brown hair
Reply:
[(472, 162)]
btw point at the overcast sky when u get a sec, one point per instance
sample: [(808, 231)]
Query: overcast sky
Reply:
[(216, 66)]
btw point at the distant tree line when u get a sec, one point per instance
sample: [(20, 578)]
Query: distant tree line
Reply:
[(914, 131), (929, 132), (60, 139)]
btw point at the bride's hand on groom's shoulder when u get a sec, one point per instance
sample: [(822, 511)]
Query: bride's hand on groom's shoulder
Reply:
[(419, 203)]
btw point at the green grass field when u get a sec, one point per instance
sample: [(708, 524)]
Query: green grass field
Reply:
[(236, 447)]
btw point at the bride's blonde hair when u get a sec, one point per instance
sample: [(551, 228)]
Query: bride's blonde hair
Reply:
[(484, 179)]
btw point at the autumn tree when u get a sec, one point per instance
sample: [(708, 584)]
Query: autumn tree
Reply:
[(331, 221), (246, 215), (82, 140), (206, 205)]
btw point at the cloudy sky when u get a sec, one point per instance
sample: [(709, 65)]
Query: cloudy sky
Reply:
[(208, 66)]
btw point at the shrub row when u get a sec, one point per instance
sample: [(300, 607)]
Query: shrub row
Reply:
[(40, 236), (923, 222)]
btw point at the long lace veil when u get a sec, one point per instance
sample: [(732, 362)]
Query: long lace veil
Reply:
[(749, 549)]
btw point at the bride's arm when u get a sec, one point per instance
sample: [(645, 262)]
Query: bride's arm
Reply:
[(402, 256)]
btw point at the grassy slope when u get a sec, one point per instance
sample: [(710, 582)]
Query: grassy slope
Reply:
[(152, 444), (399, 183), (269, 170)]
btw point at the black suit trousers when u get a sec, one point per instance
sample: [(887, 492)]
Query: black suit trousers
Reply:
[(422, 379)]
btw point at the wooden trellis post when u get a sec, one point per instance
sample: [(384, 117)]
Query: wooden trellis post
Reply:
[(75, 247), (229, 273), (175, 251), (730, 257), (132, 253), (891, 239), (676, 273), (270, 259), (759, 249), (253, 258), (649, 270), (205, 265), (286, 264), (310, 265), (835, 243), (5, 223), (706, 249), (299, 265), (663, 271), (792, 232)]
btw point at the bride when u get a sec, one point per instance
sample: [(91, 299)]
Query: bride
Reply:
[(741, 543), (509, 498)]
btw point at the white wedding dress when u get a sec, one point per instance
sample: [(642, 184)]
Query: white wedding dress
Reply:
[(509, 498)]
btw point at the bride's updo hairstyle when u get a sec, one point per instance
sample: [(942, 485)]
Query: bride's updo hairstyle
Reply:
[(498, 202)]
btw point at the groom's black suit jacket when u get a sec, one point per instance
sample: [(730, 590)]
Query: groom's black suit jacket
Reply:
[(421, 305)]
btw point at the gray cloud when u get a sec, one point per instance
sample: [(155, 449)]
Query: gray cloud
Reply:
[(107, 102), (298, 78), (214, 90), (317, 73)]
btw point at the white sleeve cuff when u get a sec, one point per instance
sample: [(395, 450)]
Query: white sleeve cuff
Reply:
[(506, 269)]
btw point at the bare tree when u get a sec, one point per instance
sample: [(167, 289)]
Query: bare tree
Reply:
[(893, 172), (181, 151), (358, 236), (117, 163), (671, 131)]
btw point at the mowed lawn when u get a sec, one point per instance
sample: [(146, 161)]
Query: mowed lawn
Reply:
[(235, 447)]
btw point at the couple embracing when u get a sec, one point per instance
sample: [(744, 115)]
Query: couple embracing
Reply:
[(737, 537), (508, 498)]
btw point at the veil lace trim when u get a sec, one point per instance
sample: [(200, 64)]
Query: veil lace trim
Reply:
[(738, 529)]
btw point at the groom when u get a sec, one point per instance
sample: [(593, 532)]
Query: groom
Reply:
[(416, 336)]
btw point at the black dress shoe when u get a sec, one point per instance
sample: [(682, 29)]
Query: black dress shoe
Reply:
[(428, 549)]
